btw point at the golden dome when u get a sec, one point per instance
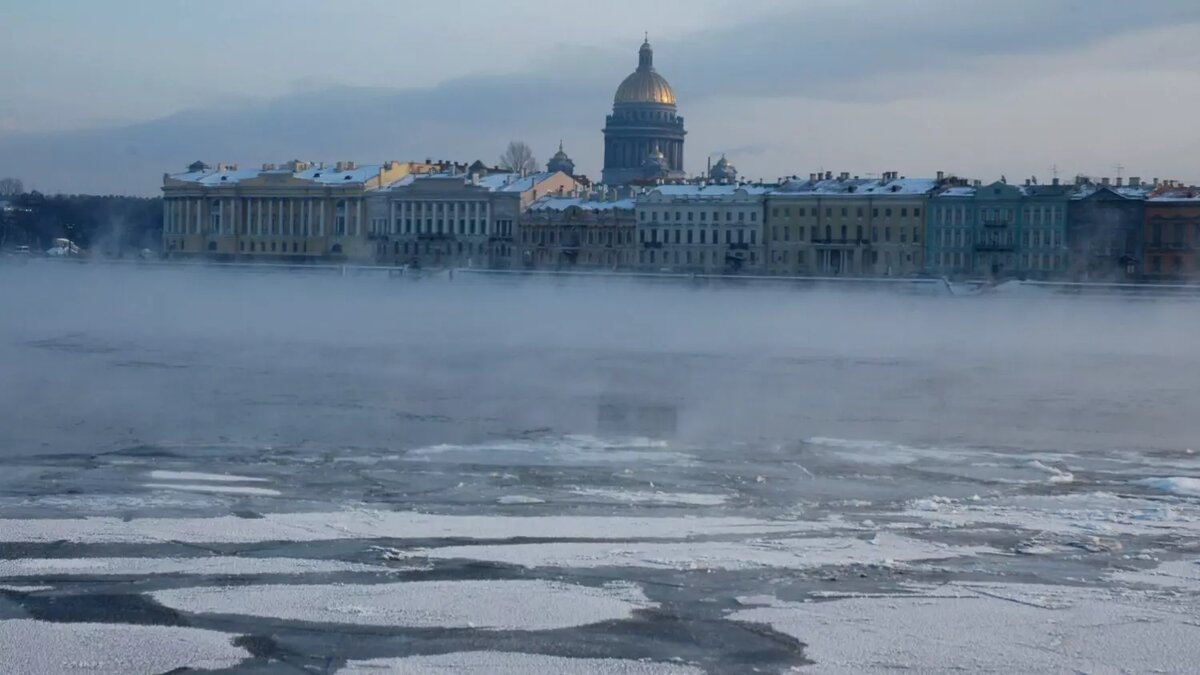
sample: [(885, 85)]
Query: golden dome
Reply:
[(644, 85)]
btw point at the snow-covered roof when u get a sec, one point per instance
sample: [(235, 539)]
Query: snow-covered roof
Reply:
[(1189, 194), (496, 182), (564, 203), (688, 191), (853, 187), (1085, 191), (328, 175)]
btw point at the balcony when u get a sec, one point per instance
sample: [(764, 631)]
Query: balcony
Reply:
[(434, 236), (996, 222), (652, 244), (837, 241), (995, 248), (740, 246)]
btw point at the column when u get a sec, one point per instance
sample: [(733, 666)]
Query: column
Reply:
[(358, 226)]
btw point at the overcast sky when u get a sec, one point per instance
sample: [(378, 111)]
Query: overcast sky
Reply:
[(105, 96)]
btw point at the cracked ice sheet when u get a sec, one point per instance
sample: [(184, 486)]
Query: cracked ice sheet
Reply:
[(1183, 575), (1090, 513), (210, 565), (214, 488), (986, 627), (647, 497), (162, 474), (511, 663), (363, 524), (39, 647), (883, 549), (487, 605)]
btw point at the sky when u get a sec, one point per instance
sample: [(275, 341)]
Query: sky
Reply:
[(105, 97)]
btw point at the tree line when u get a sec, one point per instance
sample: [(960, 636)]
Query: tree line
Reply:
[(110, 225)]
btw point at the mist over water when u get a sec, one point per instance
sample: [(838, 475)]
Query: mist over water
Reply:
[(120, 356), (273, 470)]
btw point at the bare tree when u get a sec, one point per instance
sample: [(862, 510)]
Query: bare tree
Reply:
[(518, 156), (11, 187)]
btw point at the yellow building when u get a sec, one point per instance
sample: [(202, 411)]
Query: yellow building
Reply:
[(847, 226), (295, 212)]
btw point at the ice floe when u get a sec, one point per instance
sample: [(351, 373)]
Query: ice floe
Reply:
[(214, 489), (364, 524), (206, 565), (482, 604), (1182, 575), (648, 497), (162, 474), (1179, 485), (511, 663), (566, 450), (510, 500), (987, 628), (43, 648), (884, 549)]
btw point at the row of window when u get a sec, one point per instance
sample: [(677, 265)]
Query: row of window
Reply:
[(994, 215), (1180, 230), (844, 211), (965, 237), (1036, 262), (902, 234), (651, 235), (716, 216), (258, 217), (552, 236)]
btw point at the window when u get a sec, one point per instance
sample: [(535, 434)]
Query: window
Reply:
[(916, 237), (887, 234), (887, 213), (654, 216), (859, 212), (703, 236), (844, 211), (642, 215), (843, 233), (690, 214), (729, 216), (678, 216), (828, 212), (728, 236), (775, 212), (787, 234), (916, 212), (703, 216), (339, 218), (677, 236), (689, 240), (741, 216), (874, 213), (754, 216), (858, 232), (753, 237)]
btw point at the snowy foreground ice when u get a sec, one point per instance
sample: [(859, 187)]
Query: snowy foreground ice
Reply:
[(213, 473)]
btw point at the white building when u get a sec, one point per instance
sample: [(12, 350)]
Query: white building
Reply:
[(701, 228)]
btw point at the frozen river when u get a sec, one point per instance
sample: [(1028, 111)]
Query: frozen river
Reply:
[(277, 473)]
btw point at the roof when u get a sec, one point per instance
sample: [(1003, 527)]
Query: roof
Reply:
[(326, 175), (564, 203), (1188, 194), (1085, 191), (708, 191), (854, 187), (496, 182)]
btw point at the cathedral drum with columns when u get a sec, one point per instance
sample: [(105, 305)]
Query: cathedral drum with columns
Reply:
[(643, 137)]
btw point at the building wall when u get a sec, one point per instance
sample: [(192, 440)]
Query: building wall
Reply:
[(1104, 235), (595, 236), (271, 215), (1170, 237), (453, 221), (713, 230), (999, 231), (857, 235)]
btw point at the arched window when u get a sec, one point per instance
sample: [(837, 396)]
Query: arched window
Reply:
[(336, 250), (339, 218)]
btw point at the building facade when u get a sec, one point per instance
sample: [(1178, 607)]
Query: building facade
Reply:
[(1104, 230), (597, 231), (454, 219), (999, 231), (713, 229), (847, 226), (295, 212), (643, 137), (1171, 234)]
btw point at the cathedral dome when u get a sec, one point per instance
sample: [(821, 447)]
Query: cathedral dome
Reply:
[(644, 85)]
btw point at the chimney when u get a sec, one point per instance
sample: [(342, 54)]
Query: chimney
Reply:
[(845, 175), (1105, 181), (828, 175), (812, 177), (1155, 182), (1054, 181), (475, 178), (1135, 181), (1118, 181), (941, 176)]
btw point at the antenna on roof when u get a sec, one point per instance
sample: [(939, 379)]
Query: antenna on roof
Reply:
[(1119, 169), (1054, 171)]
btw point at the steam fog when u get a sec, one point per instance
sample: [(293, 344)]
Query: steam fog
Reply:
[(111, 357), (278, 471)]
